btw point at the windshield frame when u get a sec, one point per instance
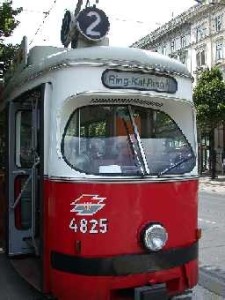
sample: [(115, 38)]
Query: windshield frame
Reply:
[(135, 145)]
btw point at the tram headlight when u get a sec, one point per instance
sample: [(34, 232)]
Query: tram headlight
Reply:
[(155, 237)]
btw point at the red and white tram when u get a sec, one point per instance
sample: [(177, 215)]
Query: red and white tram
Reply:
[(102, 181)]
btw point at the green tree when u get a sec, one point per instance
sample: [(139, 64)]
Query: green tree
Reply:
[(209, 100), (8, 23)]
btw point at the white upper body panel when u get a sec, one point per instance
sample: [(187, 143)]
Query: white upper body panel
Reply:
[(74, 79)]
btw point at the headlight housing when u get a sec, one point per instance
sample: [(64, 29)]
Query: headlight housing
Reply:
[(155, 237)]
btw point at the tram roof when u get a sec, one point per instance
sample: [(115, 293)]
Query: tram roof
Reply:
[(106, 53), (44, 58)]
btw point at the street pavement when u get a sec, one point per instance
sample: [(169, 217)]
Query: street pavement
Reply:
[(212, 276), (212, 185), (12, 286), (211, 282)]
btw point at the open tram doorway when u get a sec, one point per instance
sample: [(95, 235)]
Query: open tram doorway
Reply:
[(25, 183)]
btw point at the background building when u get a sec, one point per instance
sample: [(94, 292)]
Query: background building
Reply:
[(197, 39)]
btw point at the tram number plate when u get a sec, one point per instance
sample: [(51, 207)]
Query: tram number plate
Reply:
[(92, 226)]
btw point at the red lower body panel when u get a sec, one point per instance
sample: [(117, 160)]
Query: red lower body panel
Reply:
[(93, 238), (119, 288)]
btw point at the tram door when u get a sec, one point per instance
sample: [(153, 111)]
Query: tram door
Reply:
[(23, 175)]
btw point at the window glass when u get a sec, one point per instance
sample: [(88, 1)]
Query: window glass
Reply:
[(219, 49), (218, 22), (200, 32), (183, 41), (24, 156), (201, 58), (164, 49), (173, 45), (23, 211), (125, 139), (183, 57)]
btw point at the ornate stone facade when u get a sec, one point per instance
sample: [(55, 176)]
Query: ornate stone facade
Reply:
[(196, 38)]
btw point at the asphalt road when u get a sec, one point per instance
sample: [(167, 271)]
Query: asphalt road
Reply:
[(12, 286), (212, 221), (212, 243), (200, 293)]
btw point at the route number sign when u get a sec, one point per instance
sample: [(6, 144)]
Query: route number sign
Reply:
[(92, 23)]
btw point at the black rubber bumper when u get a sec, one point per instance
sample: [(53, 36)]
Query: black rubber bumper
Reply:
[(124, 264)]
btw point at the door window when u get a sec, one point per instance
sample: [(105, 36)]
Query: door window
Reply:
[(23, 208), (24, 158)]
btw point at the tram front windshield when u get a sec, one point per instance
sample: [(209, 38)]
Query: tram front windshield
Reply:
[(126, 140)]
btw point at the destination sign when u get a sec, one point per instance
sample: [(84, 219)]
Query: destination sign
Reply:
[(139, 81)]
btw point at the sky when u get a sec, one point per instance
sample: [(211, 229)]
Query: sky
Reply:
[(129, 20)]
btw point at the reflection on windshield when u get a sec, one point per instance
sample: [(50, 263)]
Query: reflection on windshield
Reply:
[(125, 140)]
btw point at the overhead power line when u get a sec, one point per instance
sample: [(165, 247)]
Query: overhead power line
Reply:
[(34, 11), (46, 14)]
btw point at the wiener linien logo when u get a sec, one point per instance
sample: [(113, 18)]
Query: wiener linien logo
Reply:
[(87, 205)]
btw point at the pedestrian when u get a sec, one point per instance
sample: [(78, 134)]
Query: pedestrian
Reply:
[(223, 162), (223, 165)]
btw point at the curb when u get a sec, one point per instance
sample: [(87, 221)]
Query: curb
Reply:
[(212, 279)]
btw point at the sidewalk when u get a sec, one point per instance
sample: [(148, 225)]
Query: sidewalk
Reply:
[(209, 185)]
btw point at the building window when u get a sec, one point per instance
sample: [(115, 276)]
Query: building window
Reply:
[(218, 22), (164, 49), (200, 58), (183, 58), (219, 50), (173, 45), (200, 32), (183, 41)]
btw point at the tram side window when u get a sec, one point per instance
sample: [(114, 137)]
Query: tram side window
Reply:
[(24, 139), (125, 140)]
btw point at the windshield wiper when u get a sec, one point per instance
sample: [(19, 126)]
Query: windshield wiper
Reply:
[(133, 149), (139, 144), (189, 156)]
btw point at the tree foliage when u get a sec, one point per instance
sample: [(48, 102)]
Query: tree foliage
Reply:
[(209, 99), (8, 23)]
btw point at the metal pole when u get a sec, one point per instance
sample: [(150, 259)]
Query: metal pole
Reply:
[(76, 34)]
